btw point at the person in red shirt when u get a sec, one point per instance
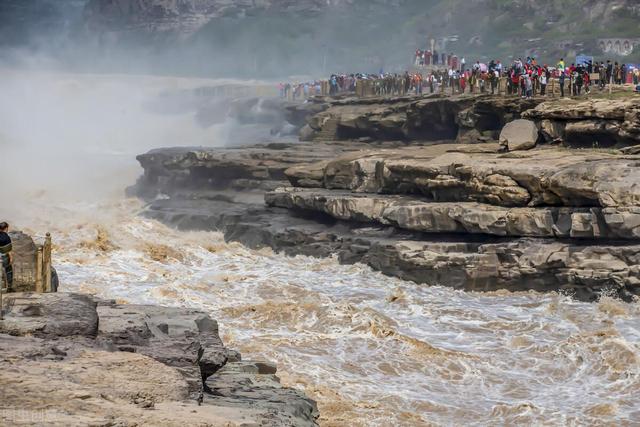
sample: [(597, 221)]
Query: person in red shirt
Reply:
[(515, 81), (587, 82)]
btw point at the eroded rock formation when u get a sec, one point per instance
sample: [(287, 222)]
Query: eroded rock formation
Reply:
[(67, 359), (590, 123), (469, 216), (431, 118)]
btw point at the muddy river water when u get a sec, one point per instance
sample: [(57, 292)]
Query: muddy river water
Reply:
[(372, 350)]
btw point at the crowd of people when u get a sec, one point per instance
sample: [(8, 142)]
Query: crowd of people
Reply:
[(449, 74)]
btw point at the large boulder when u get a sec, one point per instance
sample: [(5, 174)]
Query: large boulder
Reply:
[(49, 315), (519, 135), (178, 337), (80, 361)]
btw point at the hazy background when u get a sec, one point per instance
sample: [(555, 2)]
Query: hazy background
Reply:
[(279, 38), (86, 85)]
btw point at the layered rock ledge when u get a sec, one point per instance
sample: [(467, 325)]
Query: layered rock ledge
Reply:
[(418, 214), (467, 118), (468, 216), (588, 123), (67, 359)]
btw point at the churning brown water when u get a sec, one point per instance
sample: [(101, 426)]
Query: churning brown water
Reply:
[(372, 350)]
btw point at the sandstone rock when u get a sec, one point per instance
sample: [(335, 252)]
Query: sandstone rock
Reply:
[(184, 339), (243, 383), (465, 216), (470, 119), (167, 169), (306, 133), (58, 365), (416, 214), (593, 122), (519, 135), (533, 178), (462, 262), (552, 131), (592, 133), (569, 109), (49, 315)]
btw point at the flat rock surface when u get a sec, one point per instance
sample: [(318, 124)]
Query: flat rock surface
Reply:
[(66, 359), (259, 167), (550, 176)]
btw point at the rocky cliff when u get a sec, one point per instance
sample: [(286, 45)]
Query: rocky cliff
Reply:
[(593, 123), (67, 359), (467, 215)]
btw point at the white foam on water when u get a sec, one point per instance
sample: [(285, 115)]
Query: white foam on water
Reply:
[(373, 350)]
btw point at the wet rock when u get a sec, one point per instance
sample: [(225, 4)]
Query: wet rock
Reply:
[(519, 135), (460, 260), (254, 385)]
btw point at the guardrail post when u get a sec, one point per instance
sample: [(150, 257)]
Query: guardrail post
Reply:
[(47, 263), (39, 285)]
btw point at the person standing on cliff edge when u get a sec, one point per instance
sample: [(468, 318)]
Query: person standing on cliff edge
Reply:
[(6, 257)]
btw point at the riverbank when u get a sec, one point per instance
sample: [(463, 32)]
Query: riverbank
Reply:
[(69, 359), (465, 212)]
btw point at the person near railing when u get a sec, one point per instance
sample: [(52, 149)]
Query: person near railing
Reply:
[(6, 255), (543, 83)]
